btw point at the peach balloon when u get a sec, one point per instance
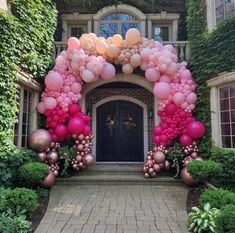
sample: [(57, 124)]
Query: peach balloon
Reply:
[(112, 51), (117, 40), (135, 60), (133, 36), (101, 46), (127, 69)]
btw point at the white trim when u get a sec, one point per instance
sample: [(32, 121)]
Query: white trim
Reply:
[(132, 78), (211, 14), (223, 79), (126, 98)]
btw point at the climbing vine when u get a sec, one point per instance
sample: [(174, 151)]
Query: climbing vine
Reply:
[(211, 54), (26, 38)]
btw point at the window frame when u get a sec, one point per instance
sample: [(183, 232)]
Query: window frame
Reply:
[(161, 24), (223, 4)]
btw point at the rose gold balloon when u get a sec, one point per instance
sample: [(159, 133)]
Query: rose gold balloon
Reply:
[(161, 165), (80, 164), (150, 163), (80, 147), (52, 157), (159, 157), (49, 180), (153, 175), (149, 157), (81, 137), (156, 167), (39, 140), (75, 166), (150, 171), (89, 160), (167, 165), (199, 158), (144, 169), (187, 178), (146, 175), (79, 158), (56, 173), (155, 149), (194, 155), (42, 156)]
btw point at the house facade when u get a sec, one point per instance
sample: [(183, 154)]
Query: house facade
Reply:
[(127, 100)]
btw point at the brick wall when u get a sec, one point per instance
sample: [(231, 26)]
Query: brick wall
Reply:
[(138, 93)]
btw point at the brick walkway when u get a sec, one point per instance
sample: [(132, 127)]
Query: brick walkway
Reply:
[(115, 209)]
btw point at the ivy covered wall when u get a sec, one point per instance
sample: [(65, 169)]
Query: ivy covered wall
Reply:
[(211, 54), (26, 40)]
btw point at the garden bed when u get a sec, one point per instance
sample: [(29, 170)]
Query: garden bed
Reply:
[(193, 198)]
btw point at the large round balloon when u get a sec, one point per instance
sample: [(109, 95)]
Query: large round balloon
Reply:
[(133, 36), (159, 157), (187, 178), (186, 140), (76, 125), (49, 180), (54, 80), (89, 159), (161, 90), (196, 129), (40, 140)]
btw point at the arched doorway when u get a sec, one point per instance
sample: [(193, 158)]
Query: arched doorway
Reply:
[(119, 132)]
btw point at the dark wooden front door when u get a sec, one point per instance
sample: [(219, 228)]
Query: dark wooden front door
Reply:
[(119, 132)]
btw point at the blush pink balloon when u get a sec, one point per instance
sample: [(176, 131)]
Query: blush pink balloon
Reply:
[(152, 75), (165, 78), (145, 54), (61, 131), (88, 76), (108, 72), (41, 107), (162, 90), (191, 98), (73, 43), (178, 98), (54, 80), (196, 129), (186, 140), (76, 88), (76, 125), (185, 74), (50, 103)]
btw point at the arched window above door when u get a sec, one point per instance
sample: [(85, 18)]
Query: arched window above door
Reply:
[(117, 23)]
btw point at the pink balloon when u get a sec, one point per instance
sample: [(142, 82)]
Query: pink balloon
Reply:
[(76, 125), (88, 76), (50, 103), (108, 72), (178, 98), (157, 130), (76, 87), (191, 98), (73, 43), (156, 139), (186, 74), (170, 108), (41, 107), (186, 140), (54, 80), (61, 131), (145, 54), (196, 129), (165, 78), (86, 130), (74, 109), (152, 75), (162, 90)]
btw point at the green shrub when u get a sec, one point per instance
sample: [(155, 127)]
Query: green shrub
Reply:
[(11, 223), (226, 157), (9, 166), (204, 170), (217, 198), (203, 221), (19, 198), (226, 219), (32, 174)]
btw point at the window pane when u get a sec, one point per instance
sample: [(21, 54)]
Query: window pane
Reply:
[(223, 92), (225, 128), (126, 26), (226, 142), (233, 129), (160, 33), (232, 116), (119, 16), (232, 90), (232, 103), (233, 142), (224, 104), (108, 29), (78, 31), (225, 117)]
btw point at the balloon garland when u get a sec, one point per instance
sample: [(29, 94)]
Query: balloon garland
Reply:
[(90, 58)]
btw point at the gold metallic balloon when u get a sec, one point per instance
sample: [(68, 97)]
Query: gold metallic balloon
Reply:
[(89, 159), (187, 178), (39, 140)]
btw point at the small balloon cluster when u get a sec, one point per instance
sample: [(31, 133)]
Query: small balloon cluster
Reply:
[(84, 158), (155, 162)]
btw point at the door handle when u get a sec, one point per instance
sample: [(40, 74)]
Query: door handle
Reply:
[(129, 123)]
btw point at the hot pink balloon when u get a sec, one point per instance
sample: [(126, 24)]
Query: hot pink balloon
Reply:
[(196, 129), (108, 72), (186, 140), (191, 98), (61, 131), (86, 130), (152, 75), (50, 103), (54, 80), (162, 90), (73, 43), (76, 125), (157, 130), (76, 87), (41, 107), (74, 109), (178, 98), (170, 108)]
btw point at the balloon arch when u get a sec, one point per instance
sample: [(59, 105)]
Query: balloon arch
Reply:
[(90, 58)]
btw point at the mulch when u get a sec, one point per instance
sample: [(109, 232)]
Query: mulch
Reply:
[(39, 212), (193, 198)]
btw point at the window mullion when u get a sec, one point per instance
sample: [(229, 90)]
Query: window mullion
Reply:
[(19, 141)]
